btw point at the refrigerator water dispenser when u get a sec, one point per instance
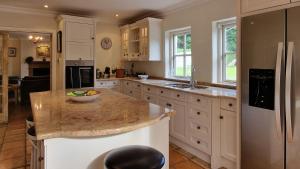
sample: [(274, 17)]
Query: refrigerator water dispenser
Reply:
[(261, 88)]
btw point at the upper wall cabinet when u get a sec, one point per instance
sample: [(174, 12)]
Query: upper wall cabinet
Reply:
[(253, 5), (78, 37), (141, 41)]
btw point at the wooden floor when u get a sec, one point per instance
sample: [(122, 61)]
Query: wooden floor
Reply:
[(15, 152)]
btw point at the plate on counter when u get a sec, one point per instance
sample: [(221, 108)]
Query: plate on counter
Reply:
[(83, 95)]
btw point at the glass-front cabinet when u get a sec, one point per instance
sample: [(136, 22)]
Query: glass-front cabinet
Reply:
[(141, 41)]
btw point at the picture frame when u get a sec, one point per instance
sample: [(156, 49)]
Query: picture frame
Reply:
[(12, 52), (43, 51), (59, 41)]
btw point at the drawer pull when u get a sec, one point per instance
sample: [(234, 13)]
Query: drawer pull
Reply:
[(198, 127), (178, 95), (127, 83), (198, 142), (198, 100), (148, 89), (101, 83), (198, 113), (230, 105), (161, 91), (148, 98), (130, 92), (221, 117), (138, 85), (169, 104)]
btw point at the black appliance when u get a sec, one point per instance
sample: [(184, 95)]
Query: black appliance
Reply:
[(79, 75)]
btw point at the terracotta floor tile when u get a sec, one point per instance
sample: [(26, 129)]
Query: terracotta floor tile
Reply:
[(176, 157), (187, 165)]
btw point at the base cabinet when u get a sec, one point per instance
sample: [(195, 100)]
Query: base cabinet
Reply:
[(228, 135)]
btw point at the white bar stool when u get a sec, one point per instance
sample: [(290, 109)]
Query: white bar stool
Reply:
[(35, 151)]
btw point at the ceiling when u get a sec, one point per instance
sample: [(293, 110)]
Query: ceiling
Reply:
[(104, 9)]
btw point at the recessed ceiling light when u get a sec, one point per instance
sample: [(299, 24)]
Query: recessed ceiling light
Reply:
[(116, 15), (46, 6)]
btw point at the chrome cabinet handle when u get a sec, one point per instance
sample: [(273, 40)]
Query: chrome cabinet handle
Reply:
[(277, 88), (288, 90)]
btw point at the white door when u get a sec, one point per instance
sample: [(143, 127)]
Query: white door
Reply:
[(228, 135), (79, 51), (79, 32), (177, 122), (253, 5)]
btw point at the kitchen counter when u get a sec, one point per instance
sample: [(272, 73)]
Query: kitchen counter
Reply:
[(209, 91), (112, 113)]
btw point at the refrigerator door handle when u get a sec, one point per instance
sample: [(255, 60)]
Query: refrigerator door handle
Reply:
[(277, 89), (288, 90), (71, 75)]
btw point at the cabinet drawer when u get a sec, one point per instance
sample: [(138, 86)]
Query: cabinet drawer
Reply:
[(195, 128), (228, 104), (181, 96), (199, 144), (164, 92), (131, 85), (200, 115), (133, 93), (105, 83), (200, 102), (150, 98), (150, 89)]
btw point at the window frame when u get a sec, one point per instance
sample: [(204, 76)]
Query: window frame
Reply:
[(222, 50), (172, 59)]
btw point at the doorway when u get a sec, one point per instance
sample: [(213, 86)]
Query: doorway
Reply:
[(26, 67)]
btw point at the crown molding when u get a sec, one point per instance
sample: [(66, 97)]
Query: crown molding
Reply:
[(21, 10)]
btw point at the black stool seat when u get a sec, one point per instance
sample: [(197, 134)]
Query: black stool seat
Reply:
[(31, 131), (30, 118), (134, 157)]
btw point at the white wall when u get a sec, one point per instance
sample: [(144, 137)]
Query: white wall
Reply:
[(111, 57), (200, 19), (14, 62)]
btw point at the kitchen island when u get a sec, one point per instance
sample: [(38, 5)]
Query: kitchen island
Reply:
[(79, 135)]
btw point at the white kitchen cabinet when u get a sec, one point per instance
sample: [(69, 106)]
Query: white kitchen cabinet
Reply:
[(228, 135), (141, 41), (78, 37), (253, 5), (125, 42), (177, 122), (79, 51), (109, 84), (79, 32)]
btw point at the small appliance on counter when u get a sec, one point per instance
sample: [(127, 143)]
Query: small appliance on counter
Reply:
[(120, 73), (79, 74), (107, 72)]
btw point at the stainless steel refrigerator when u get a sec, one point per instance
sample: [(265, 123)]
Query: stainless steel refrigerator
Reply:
[(271, 90)]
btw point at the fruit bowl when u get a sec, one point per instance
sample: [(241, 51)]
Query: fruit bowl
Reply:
[(83, 96)]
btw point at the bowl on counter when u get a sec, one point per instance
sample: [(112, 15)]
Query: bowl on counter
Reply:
[(83, 96), (143, 77)]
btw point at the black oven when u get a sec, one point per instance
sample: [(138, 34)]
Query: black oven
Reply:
[(79, 76)]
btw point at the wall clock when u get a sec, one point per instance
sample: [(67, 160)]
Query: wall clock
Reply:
[(106, 43)]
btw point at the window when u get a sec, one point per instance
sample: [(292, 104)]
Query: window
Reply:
[(181, 54), (227, 51)]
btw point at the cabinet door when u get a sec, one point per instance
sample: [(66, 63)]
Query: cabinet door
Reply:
[(79, 32), (79, 51), (177, 122), (144, 43), (228, 135), (253, 5), (125, 43)]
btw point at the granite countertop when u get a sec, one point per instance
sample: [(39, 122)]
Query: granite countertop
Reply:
[(209, 91), (112, 113)]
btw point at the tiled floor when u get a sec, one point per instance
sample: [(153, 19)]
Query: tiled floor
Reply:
[(13, 140)]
